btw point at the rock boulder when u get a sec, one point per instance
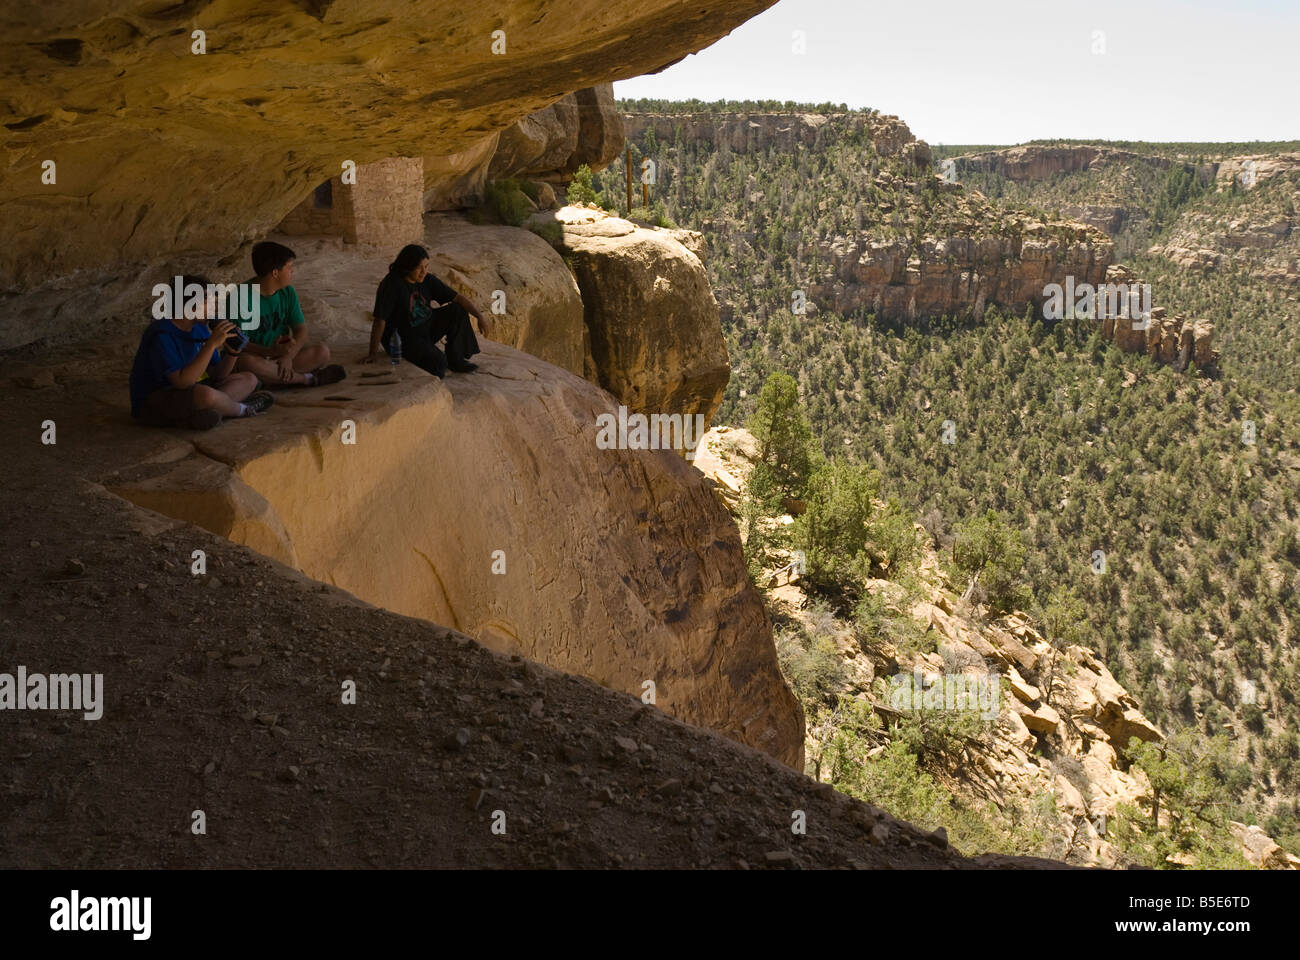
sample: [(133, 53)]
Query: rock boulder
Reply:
[(484, 503), (656, 339)]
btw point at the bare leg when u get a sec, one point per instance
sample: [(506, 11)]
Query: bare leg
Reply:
[(237, 386), (309, 358), (266, 370), (226, 398)]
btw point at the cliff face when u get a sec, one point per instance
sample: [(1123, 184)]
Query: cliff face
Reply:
[(583, 127), (159, 150), (485, 504), (1259, 235), (1251, 171), (925, 247), (1241, 217), (908, 242), (1176, 340), (957, 274), (1032, 163), (747, 132), (1059, 719), (548, 144), (656, 341), (971, 256)]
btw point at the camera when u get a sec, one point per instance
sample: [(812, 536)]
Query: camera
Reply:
[(237, 340)]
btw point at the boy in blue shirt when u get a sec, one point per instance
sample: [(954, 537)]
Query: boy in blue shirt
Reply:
[(180, 378)]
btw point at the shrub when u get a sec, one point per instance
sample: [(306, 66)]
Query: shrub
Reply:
[(876, 620), (784, 440), (581, 189), (833, 528), (508, 201), (811, 665), (891, 538), (988, 549), (548, 230)]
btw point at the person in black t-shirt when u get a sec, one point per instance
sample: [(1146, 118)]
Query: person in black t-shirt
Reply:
[(421, 309)]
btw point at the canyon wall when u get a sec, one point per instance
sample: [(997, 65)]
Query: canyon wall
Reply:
[(1259, 237), (977, 256), (747, 132), (1035, 162), (1257, 234), (963, 275), (1250, 171), (956, 274), (927, 246)]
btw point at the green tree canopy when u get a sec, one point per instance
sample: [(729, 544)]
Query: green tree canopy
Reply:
[(833, 529), (784, 440), (988, 548)]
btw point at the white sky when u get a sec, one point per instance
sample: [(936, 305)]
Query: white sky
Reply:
[(1006, 71)]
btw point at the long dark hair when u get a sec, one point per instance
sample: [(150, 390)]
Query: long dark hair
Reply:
[(408, 259)]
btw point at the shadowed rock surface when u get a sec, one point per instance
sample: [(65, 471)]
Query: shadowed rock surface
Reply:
[(223, 693), (619, 565)]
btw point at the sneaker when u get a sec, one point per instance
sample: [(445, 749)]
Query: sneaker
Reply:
[(464, 367), (330, 373), (204, 419), (258, 402)]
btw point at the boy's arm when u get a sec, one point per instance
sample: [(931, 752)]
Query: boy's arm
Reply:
[(225, 366), (297, 339), (297, 330), (286, 351), (189, 374)]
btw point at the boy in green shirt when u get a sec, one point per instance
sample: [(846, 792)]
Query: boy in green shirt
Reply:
[(278, 351)]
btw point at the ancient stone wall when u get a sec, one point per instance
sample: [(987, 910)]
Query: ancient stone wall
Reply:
[(326, 212), (388, 202), (383, 207)]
